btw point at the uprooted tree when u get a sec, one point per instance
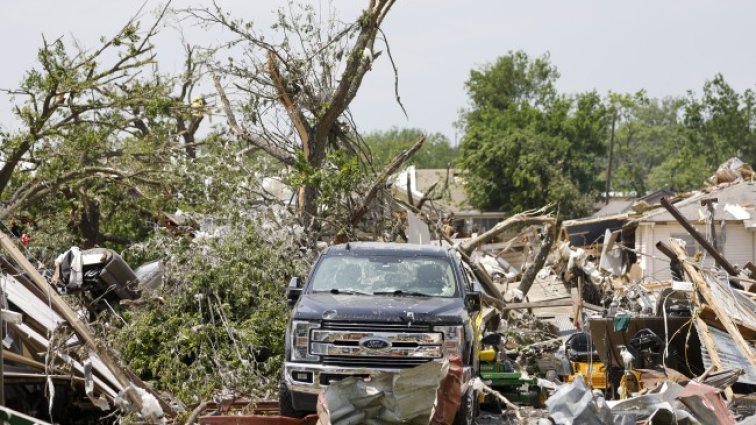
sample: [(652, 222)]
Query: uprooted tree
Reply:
[(289, 98)]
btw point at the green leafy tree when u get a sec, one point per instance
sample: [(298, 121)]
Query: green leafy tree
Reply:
[(437, 151), (722, 123), (525, 145), (95, 130)]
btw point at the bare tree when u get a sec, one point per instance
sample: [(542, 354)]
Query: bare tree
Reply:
[(293, 93)]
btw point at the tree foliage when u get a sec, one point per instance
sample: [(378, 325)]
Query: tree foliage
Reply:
[(221, 326), (437, 151), (95, 130), (678, 142), (525, 145)]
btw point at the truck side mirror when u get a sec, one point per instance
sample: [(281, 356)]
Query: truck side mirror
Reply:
[(293, 291), (472, 301)]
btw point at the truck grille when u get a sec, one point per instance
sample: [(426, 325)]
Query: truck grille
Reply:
[(376, 345)]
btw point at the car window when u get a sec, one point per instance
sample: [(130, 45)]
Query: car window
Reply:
[(381, 273)]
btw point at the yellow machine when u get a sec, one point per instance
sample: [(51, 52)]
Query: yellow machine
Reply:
[(594, 374)]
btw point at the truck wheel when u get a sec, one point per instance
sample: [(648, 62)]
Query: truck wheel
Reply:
[(468, 408), (285, 405)]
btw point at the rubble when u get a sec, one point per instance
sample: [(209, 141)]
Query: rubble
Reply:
[(50, 343), (676, 350), (587, 328)]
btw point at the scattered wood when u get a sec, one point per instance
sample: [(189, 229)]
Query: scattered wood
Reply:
[(81, 329), (522, 219), (703, 287), (554, 302)]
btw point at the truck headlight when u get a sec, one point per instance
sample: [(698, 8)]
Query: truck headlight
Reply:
[(300, 341), (453, 338)]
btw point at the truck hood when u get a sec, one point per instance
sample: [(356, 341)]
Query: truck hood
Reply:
[(384, 309)]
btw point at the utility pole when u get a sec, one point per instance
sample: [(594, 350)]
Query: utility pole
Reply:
[(611, 157)]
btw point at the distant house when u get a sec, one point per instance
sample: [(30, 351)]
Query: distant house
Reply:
[(735, 228), (448, 197)]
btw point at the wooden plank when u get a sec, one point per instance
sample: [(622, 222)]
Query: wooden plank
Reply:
[(70, 316), (17, 358), (554, 302), (712, 350), (703, 287), (709, 314)]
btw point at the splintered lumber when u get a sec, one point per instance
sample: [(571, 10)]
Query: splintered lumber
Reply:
[(526, 218), (81, 329), (712, 349), (703, 287)]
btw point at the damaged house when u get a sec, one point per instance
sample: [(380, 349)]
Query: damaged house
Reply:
[(728, 213)]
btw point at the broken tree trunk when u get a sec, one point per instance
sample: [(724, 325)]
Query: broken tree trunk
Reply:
[(81, 329), (528, 277), (381, 180), (703, 287), (522, 219)]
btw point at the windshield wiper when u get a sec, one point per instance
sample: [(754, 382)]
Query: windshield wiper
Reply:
[(399, 292), (347, 292)]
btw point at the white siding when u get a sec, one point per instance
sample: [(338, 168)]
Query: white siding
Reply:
[(738, 249)]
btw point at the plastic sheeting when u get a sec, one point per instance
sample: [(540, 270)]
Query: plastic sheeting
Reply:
[(574, 403), (387, 398)]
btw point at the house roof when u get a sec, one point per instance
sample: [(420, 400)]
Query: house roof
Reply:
[(624, 205), (735, 202), (614, 207)]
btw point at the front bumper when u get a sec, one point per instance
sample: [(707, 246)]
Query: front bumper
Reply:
[(311, 378)]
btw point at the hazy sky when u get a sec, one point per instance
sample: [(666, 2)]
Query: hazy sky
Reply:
[(666, 47)]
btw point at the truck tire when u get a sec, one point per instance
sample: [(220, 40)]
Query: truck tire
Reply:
[(468, 408), (285, 405)]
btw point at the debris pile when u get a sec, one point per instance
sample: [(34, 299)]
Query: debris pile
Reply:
[(644, 316), (49, 352), (640, 316)]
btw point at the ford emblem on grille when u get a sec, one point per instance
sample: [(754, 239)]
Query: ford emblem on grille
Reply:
[(375, 343)]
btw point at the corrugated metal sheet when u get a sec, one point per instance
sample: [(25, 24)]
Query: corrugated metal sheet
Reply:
[(728, 355), (737, 305)]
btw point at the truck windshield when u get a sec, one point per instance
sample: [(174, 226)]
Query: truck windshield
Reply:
[(382, 274)]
